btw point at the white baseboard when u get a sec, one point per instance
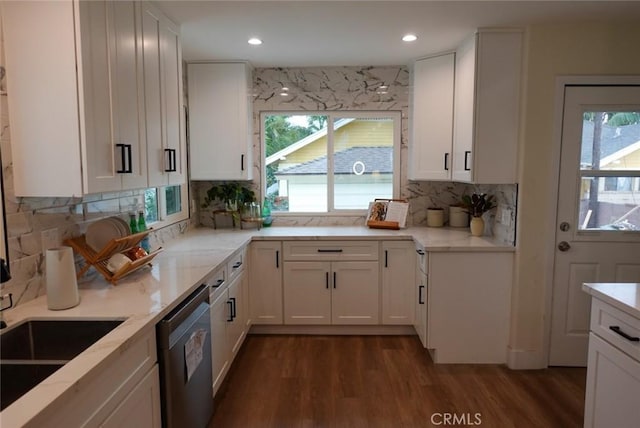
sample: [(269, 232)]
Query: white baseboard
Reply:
[(526, 359), (334, 329)]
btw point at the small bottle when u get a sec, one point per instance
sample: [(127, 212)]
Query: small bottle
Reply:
[(266, 213), (133, 224), (142, 226)]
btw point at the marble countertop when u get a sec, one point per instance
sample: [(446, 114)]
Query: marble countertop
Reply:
[(145, 297), (621, 295)]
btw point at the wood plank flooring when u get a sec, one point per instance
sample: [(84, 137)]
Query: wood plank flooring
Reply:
[(386, 381)]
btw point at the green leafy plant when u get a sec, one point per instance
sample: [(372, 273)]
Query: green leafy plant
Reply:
[(478, 203), (232, 194)]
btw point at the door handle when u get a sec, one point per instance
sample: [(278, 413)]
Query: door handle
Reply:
[(334, 280), (326, 279), (564, 246), (233, 308), (446, 161), (230, 303), (420, 288), (466, 160)]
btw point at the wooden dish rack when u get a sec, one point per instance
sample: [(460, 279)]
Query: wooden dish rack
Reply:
[(99, 259)]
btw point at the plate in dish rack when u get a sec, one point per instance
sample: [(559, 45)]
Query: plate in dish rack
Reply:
[(102, 231)]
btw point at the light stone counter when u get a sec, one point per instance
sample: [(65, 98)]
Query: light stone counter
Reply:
[(145, 297), (621, 295)]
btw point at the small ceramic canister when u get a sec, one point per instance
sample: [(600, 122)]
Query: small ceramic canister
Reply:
[(435, 217)]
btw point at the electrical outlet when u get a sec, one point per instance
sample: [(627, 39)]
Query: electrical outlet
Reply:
[(506, 217), (50, 238)]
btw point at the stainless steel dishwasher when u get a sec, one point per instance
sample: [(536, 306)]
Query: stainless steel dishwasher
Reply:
[(184, 352)]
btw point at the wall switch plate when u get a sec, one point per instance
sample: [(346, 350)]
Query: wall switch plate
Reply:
[(506, 217)]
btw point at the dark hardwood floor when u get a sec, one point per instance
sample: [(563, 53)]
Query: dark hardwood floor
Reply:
[(386, 381)]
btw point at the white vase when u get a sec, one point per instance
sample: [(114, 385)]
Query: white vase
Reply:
[(477, 226), (60, 279)]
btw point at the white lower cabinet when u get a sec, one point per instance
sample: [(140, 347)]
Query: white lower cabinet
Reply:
[(331, 293), (229, 317), (265, 282), (398, 282), (141, 408), (469, 298), (613, 369), (125, 394)]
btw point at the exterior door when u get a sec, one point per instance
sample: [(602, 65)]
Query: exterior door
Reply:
[(598, 211)]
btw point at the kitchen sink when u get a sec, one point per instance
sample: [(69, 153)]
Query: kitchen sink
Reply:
[(33, 350)]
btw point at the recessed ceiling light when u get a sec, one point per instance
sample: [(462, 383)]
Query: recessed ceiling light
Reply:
[(254, 41), (409, 38)]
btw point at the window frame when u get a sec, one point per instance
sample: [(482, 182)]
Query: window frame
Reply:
[(332, 116), (167, 220)]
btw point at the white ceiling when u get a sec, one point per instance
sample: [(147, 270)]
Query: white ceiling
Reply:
[(327, 33)]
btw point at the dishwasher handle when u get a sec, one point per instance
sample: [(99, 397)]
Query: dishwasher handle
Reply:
[(173, 320)]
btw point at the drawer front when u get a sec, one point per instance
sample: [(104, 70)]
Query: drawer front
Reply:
[(330, 250), (217, 282), (616, 327), (236, 264), (422, 258)]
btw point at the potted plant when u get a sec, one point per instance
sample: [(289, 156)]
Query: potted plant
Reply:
[(476, 205), (232, 194)]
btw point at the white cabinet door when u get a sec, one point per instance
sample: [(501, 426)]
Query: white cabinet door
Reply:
[(141, 408), (486, 107), (162, 55), (265, 283), (398, 266), (469, 298), (307, 292), (112, 96), (613, 387), (355, 293), (236, 328), (220, 125), (431, 118), (220, 351), (74, 71)]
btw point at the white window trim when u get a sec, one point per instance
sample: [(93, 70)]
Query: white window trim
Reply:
[(167, 220), (396, 115)]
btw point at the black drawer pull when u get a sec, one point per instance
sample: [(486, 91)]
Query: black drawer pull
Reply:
[(466, 160), (334, 280), (237, 265), (446, 161), (230, 303), (420, 300), (218, 283), (322, 250), (277, 259), (386, 258), (326, 279), (420, 252), (616, 329), (241, 162)]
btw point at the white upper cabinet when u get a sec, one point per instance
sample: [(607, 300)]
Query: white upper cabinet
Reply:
[(220, 121), (162, 62), (73, 69), (487, 107), (431, 117)]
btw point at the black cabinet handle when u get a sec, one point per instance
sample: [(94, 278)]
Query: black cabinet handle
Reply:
[(322, 250), (241, 162), (386, 258), (233, 307), (446, 161), (237, 265), (170, 160), (326, 279), (420, 252), (420, 297), (277, 259), (230, 303), (218, 283), (334, 280), (466, 160), (616, 329), (125, 159)]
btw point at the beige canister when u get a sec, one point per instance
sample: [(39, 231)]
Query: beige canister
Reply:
[(458, 217), (60, 279), (435, 217)]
